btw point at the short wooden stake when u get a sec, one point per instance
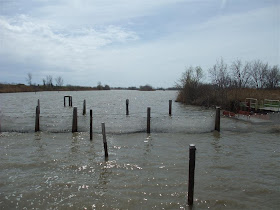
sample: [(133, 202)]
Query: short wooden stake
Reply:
[(217, 119), (104, 140), (127, 110), (149, 120), (90, 131), (37, 119), (170, 107), (192, 150), (75, 120), (84, 107)]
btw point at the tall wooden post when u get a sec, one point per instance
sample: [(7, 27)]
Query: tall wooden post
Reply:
[(104, 140), (192, 150), (90, 131), (75, 120), (170, 107), (84, 107), (127, 110), (217, 119), (37, 119), (38, 104), (149, 120)]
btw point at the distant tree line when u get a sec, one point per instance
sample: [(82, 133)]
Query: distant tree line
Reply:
[(47, 81), (238, 74), (228, 82)]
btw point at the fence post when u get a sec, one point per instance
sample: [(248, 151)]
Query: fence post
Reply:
[(170, 107), (217, 119), (37, 119), (90, 132), (84, 107), (75, 120), (127, 110), (104, 140), (149, 120), (192, 150)]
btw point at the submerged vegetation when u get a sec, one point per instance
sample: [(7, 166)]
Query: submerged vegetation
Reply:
[(230, 84)]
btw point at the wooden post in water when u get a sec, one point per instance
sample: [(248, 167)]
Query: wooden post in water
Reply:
[(170, 107), (39, 105), (64, 100), (37, 119), (192, 150), (75, 120), (127, 110), (149, 120), (84, 107), (217, 119), (90, 131), (104, 140)]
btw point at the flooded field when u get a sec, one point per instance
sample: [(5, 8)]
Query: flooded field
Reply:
[(237, 168)]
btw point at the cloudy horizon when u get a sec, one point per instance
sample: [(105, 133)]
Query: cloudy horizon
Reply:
[(131, 43)]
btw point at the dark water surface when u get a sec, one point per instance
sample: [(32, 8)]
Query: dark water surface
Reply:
[(237, 168)]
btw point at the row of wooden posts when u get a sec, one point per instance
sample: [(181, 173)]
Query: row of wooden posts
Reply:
[(192, 148), (75, 116)]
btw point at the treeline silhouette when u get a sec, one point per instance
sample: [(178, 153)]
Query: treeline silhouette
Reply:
[(230, 84)]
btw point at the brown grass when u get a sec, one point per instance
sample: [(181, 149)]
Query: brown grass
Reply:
[(227, 98), (260, 94), (8, 88)]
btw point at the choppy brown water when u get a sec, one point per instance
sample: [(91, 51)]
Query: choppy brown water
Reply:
[(55, 169)]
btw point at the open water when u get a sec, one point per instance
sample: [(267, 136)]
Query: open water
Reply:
[(237, 168)]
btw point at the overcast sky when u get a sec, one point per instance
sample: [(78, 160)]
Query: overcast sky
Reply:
[(132, 42)]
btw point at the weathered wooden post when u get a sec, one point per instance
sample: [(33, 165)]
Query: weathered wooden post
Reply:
[(192, 150), (104, 140), (37, 119), (217, 119), (127, 110), (38, 104), (149, 120), (90, 131), (84, 107), (170, 107), (75, 120), (64, 100)]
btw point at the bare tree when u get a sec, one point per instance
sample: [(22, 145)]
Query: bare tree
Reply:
[(273, 77), (49, 80), (258, 73), (59, 81), (29, 79), (189, 84), (219, 74), (240, 73)]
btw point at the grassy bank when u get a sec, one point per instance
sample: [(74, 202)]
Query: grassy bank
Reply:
[(229, 99), (9, 88)]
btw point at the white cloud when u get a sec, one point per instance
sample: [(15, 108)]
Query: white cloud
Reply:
[(96, 12), (25, 38), (113, 54)]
